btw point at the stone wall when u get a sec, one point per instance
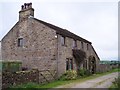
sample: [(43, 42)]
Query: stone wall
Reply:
[(21, 77), (39, 50), (65, 51), (104, 68), (113, 66), (9, 78)]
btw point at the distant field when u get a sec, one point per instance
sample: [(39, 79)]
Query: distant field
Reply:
[(109, 62)]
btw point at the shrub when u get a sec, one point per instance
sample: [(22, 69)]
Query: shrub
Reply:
[(83, 72), (11, 66), (87, 73), (117, 82), (69, 75)]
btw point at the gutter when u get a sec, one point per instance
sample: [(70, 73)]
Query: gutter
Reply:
[(57, 55)]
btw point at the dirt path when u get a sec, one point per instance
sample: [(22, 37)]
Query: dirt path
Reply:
[(100, 82)]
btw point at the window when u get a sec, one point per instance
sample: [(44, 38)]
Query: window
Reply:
[(69, 64), (87, 46), (74, 44), (82, 46), (85, 64), (20, 42), (62, 40)]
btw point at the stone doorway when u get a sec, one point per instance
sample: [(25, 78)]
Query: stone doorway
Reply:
[(92, 64)]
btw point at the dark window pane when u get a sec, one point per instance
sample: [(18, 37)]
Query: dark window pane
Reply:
[(74, 43), (67, 65), (62, 40), (87, 47), (20, 42), (82, 46), (71, 65)]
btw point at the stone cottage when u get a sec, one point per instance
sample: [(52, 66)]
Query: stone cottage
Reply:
[(41, 45)]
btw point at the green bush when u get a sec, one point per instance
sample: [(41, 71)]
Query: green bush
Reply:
[(69, 75), (83, 72), (87, 73), (117, 82), (11, 66)]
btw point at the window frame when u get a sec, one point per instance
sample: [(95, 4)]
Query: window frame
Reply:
[(20, 42), (69, 64), (87, 46), (74, 45), (62, 40), (82, 45)]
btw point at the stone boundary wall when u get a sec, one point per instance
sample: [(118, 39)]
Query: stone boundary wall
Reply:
[(20, 77), (104, 68), (113, 66)]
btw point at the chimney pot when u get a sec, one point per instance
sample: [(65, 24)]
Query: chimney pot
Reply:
[(25, 5), (22, 7), (26, 11)]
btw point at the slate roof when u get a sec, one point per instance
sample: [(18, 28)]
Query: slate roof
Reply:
[(63, 32)]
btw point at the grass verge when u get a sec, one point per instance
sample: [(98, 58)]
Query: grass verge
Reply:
[(113, 87), (116, 84)]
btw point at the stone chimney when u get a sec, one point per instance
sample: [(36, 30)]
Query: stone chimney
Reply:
[(26, 11)]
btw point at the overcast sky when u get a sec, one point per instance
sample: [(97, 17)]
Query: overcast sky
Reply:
[(94, 21)]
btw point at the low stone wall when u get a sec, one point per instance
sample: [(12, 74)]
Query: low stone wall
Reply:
[(113, 66), (104, 68), (10, 78), (20, 77)]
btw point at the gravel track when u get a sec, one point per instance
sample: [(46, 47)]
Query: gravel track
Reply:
[(100, 82)]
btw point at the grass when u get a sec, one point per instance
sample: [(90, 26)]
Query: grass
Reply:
[(116, 84), (113, 87), (63, 82)]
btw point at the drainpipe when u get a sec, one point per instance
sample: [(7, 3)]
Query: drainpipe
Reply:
[(57, 53)]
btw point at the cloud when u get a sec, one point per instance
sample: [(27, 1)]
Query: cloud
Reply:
[(96, 22)]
